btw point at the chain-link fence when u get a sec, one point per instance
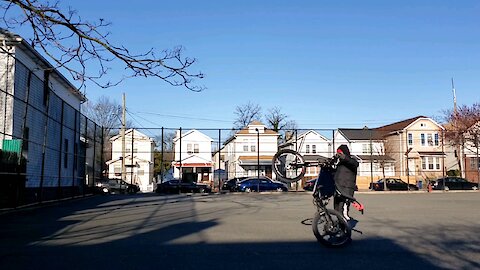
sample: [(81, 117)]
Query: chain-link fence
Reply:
[(413, 154)]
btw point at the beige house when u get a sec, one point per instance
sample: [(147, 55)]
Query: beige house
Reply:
[(250, 151), (417, 147)]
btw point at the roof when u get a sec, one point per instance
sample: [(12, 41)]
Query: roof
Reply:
[(358, 134), (137, 134), (301, 135), (16, 40), (398, 125), (376, 158), (183, 135), (246, 131)]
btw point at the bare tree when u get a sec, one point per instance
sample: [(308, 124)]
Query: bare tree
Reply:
[(104, 112), (276, 119), (289, 130), (246, 114), (168, 138), (75, 45), (459, 132), (278, 122)]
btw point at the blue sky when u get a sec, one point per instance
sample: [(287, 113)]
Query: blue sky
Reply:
[(326, 64)]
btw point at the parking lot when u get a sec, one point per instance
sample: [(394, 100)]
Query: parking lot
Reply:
[(241, 231)]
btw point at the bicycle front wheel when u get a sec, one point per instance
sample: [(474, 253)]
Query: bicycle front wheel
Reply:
[(288, 165), (331, 230)]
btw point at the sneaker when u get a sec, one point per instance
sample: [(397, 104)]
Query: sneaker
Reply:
[(345, 212)]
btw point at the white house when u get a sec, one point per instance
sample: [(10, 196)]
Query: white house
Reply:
[(368, 147), (311, 145), (250, 151), (138, 159), (193, 156), (40, 119)]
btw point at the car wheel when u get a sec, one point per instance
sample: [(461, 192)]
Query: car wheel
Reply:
[(279, 189), (105, 190), (475, 188), (201, 190), (446, 188), (248, 189)]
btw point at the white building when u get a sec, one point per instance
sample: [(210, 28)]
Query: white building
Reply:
[(312, 146), (368, 147), (40, 115), (250, 151), (139, 160), (193, 157)]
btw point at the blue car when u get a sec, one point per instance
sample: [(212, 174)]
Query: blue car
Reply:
[(264, 184)]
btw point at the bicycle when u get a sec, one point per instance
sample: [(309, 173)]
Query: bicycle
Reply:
[(329, 226)]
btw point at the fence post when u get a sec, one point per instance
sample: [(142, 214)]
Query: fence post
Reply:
[(60, 152), (46, 99)]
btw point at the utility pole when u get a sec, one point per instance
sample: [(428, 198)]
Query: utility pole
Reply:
[(122, 134)]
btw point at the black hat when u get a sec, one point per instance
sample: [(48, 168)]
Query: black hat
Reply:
[(344, 149)]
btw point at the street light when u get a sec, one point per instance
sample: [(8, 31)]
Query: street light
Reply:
[(258, 159)]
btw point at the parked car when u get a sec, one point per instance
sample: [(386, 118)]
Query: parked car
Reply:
[(111, 186), (177, 186), (310, 184), (231, 184), (449, 183), (392, 184), (263, 184)]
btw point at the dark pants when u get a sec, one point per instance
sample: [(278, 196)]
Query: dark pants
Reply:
[(339, 201)]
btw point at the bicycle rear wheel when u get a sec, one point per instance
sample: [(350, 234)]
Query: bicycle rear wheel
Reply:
[(288, 165), (336, 233)]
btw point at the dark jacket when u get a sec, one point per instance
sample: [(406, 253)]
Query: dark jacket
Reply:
[(346, 174)]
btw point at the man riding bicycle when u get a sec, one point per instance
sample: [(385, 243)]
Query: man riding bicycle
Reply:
[(345, 179)]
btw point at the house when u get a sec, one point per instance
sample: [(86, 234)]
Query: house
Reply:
[(367, 146), (471, 152), (193, 156), (249, 151), (40, 120), (417, 146), (311, 145), (138, 159)]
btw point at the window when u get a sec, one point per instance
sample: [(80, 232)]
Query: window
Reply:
[(430, 163), (366, 148), (307, 149), (422, 139), (430, 139), (196, 148), (252, 148), (436, 140), (314, 149), (410, 139), (189, 148), (245, 148), (474, 164), (65, 155)]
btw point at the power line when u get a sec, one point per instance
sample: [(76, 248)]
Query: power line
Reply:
[(188, 117)]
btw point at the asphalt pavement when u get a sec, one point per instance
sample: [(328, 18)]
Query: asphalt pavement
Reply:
[(241, 231)]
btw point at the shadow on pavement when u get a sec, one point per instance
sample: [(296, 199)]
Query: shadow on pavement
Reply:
[(63, 237)]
